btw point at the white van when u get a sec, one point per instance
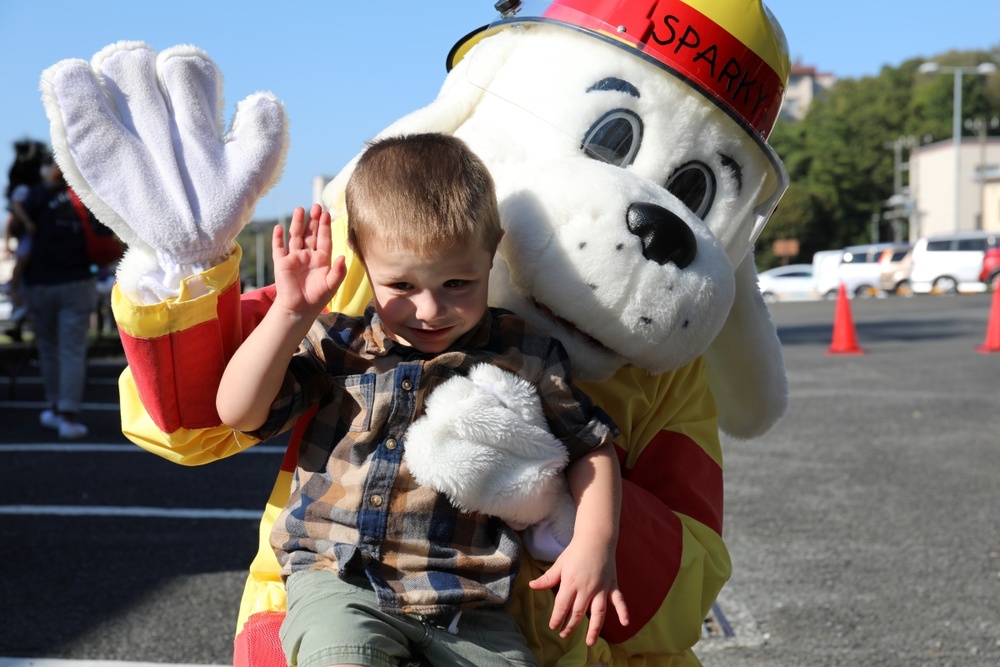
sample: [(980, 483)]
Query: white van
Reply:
[(950, 263), (825, 266), (859, 271)]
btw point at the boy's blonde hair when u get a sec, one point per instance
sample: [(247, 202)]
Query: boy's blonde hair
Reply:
[(421, 192)]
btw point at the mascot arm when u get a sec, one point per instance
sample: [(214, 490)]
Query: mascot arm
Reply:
[(671, 559), (177, 350)]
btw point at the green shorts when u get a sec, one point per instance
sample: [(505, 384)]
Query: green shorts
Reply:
[(336, 620)]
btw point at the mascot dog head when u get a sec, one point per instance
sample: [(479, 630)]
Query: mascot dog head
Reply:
[(626, 140)]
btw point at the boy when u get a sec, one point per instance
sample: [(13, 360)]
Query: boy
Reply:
[(380, 570)]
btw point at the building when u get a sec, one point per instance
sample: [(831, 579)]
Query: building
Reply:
[(991, 198), (804, 85), (932, 187)]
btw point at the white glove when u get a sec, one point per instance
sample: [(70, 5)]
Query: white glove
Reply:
[(139, 137), (484, 442)]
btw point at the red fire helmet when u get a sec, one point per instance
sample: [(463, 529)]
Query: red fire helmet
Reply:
[(733, 51)]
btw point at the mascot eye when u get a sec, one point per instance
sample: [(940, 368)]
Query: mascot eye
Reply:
[(615, 138), (694, 184)]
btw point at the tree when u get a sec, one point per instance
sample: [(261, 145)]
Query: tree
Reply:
[(838, 159)]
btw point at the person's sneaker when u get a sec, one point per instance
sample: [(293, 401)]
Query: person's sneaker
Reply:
[(72, 430), (49, 419)]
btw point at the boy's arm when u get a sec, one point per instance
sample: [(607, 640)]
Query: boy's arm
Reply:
[(254, 375), (305, 282), (596, 485), (585, 571)]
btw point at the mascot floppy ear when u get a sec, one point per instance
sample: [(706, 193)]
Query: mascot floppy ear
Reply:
[(746, 368)]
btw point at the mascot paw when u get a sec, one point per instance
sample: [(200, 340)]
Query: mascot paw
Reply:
[(139, 137), (484, 443)]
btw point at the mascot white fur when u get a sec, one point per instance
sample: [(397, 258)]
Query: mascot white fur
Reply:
[(627, 142)]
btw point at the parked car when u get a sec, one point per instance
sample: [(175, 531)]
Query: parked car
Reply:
[(859, 271), (990, 275), (895, 264), (826, 264), (788, 283), (950, 263)]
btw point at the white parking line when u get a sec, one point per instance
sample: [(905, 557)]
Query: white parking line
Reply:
[(142, 512), (94, 447), (111, 511), (52, 662)]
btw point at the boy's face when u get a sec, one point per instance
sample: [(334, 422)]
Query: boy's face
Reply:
[(428, 300)]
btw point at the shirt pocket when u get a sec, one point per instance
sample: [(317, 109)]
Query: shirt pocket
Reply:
[(358, 401)]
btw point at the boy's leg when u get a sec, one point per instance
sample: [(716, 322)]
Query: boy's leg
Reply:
[(486, 637), (336, 621)]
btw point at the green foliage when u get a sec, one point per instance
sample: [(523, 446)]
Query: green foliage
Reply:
[(793, 219), (255, 240), (840, 159)]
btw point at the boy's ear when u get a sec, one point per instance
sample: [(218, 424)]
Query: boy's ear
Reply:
[(493, 258)]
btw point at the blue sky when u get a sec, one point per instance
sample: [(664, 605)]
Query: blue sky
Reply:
[(346, 69)]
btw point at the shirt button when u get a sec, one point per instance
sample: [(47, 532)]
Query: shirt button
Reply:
[(367, 557), (390, 444), (406, 385), (376, 501)]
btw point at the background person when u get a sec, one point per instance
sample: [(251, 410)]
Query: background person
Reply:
[(59, 289)]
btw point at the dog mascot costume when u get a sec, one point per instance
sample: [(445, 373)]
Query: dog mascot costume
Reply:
[(627, 139)]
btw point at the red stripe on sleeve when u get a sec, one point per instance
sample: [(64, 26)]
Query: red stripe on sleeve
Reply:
[(151, 361), (675, 469), (177, 375), (673, 474)]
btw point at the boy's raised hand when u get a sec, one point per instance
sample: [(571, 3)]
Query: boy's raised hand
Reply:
[(305, 278)]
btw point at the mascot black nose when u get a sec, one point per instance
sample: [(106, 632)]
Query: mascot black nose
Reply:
[(665, 237)]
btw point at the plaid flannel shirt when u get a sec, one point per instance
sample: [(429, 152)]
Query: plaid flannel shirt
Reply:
[(353, 502)]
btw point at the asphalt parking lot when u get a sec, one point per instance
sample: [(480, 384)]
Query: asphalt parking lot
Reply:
[(864, 529)]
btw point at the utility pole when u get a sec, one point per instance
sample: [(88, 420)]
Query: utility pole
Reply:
[(901, 202)]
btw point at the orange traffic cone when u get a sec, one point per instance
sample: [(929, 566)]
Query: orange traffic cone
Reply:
[(845, 340), (992, 342)]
